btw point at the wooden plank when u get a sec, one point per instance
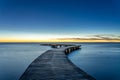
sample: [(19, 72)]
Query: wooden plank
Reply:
[(54, 65)]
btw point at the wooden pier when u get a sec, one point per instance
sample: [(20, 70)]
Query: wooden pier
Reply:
[(54, 65)]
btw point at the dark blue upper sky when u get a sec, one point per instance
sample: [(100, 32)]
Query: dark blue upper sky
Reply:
[(60, 17)]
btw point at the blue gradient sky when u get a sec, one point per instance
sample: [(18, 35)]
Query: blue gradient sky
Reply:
[(59, 18)]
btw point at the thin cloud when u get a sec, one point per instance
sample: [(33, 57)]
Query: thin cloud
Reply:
[(107, 37), (94, 37)]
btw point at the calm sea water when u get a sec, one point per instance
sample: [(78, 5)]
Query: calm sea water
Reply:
[(15, 58), (100, 60)]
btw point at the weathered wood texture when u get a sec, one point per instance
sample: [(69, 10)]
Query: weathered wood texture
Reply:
[(54, 65)]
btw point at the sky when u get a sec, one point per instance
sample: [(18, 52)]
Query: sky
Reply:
[(47, 19)]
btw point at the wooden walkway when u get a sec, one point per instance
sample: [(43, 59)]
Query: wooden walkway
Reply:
[(54, 65)]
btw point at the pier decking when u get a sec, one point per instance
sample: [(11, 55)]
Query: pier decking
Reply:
[(54, 65)]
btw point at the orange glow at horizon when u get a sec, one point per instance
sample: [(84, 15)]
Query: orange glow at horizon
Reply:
[(56, 40)]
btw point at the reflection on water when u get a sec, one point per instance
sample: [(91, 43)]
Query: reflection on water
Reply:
[(15, 58), (101, 60)]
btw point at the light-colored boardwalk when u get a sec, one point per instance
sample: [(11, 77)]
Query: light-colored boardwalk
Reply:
[(54, 65)]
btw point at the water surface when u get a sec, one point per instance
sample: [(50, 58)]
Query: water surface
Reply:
[(15, 58), (101, 60)]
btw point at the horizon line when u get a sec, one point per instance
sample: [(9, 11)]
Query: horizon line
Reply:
[(59, 40)]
